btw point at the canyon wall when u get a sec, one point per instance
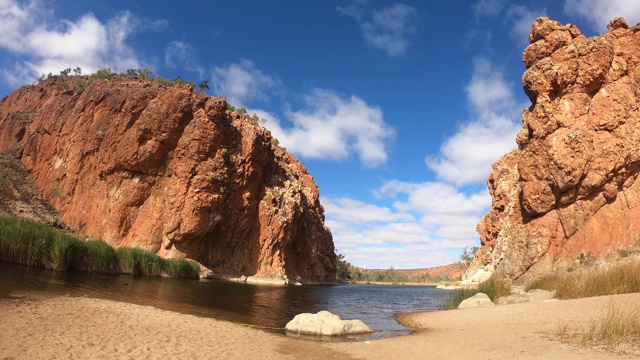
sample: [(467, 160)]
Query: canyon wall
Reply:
[(570, 192), (170, 170)]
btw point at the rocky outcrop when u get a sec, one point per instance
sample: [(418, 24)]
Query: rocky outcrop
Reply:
[(19, 197), (570, 191), (168, 169), (325, 323)]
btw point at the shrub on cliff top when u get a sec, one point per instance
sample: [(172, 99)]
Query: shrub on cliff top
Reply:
[(103, 74)]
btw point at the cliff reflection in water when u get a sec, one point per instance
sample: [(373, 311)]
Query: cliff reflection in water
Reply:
[(264, 306)]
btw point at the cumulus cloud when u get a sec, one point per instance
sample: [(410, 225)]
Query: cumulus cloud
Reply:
[(358, 212), (387, 28), (332, 127), (243, 82), (466, 157), (328, 127), (425, 222), (442, 208), (42, 46), (488, 7), (179, 54), (599, 13)]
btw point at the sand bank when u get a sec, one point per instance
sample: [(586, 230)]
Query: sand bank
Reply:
[(65, 327)]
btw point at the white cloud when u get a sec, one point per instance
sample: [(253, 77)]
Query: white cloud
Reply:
[(328, 127), (442, 208), (44, 47), (387, 28), (358, 212), (332, 127), (424, 227), (599, 13), (466, 157), (181, 55), (242, 82), (488, 7)]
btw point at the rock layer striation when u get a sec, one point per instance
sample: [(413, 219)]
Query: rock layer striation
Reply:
[(570, 191), (170, 170)]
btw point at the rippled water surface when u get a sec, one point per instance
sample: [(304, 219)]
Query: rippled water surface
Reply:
[(264, 306)]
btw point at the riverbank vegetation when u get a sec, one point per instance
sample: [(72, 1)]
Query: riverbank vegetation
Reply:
[(494, 287), (30, 243)]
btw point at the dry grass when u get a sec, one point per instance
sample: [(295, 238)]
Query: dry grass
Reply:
[(617, 329), (620, 278)]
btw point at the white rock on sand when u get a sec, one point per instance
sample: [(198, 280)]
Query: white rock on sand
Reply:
[(325, 323), (477, 300)]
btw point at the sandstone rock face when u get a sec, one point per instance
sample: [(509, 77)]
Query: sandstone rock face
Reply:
[(570, 190), (168, 169), (325, 323)]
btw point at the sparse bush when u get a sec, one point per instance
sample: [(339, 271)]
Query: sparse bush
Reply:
[(203, 85), (342, 267), (103, 74), (144, 73), (160, 80), (468, 254)]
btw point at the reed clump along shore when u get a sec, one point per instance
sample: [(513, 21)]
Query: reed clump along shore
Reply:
[(30, 243)]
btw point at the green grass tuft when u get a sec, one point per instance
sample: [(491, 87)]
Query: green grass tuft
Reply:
[(30, 243), (181, 268)]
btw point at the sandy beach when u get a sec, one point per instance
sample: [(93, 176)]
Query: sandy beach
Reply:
[(34, 327)]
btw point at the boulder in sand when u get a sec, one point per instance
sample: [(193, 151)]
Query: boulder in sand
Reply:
[(477, 300), (325, 323)]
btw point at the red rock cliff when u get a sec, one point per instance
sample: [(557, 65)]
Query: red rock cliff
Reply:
[(570, 190), (167, 169)]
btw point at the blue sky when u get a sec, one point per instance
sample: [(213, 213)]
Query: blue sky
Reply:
[(397, 108)]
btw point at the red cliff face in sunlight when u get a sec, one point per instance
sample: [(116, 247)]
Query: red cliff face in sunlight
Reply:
[(570, 190), (167, 169)]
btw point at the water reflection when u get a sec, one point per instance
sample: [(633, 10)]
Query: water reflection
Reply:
[(264, 306)]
